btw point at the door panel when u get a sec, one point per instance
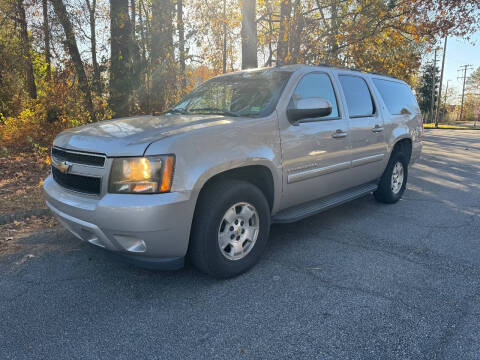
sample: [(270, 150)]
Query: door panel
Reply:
[(368, 149), (314, 162), (316, 153), (367, 135)]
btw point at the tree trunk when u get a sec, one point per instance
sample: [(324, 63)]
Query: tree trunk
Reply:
[(97, 82), (249, 35), (133, 14), (333, 45), (270, 29), (162, 53), (282, 46), (224, 50), (142, 34), (46, 38), (181, 45), (145, 67), (120, 70), (71, 44), (296, 33), (27, 57), (136, 59)]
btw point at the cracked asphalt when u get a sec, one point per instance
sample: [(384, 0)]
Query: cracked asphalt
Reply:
[(362, 281)]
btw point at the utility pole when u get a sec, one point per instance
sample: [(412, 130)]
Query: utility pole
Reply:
[(433, 85), (465, 68), (446, 93), (441, 81)]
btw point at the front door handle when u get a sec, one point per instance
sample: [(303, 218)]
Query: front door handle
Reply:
[(377, 129), (339, 133)]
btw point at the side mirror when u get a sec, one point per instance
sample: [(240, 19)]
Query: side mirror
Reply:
[(307, 108)]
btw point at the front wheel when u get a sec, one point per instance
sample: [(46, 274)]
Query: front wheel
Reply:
[(230, 228), (394, 180)]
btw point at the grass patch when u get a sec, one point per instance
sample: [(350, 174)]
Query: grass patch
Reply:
[(451, 127)]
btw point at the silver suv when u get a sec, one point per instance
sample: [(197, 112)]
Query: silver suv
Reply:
[(207, 178)]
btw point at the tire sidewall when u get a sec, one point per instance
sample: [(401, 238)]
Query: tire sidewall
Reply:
[(218, 265), (398, 157)]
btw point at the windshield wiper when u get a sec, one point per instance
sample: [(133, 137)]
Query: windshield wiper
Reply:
[(176, 111), (212, 110)]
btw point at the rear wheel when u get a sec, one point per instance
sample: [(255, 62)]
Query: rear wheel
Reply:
[(230, 228), (394, 180)]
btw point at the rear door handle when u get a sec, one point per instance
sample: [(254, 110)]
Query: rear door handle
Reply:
[(339, 134), (377, 128)]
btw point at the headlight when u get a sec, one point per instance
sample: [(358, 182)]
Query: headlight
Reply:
[(144, 175)]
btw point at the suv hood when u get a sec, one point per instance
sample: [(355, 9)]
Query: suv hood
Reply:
[(131, 136)]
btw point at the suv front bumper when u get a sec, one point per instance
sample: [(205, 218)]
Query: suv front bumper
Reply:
[(150, 230)]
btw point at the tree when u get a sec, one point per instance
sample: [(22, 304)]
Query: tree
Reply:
[(46, 39), (12, 73), (71, 45), (92, 9), (473, 81), (158, 49), (249, 35), (425, 88), (181, 44), (120, 72), (215, 32), (295, 38), (162, 53), (27, 57), (473, 95), (224, 45), (282, 44)]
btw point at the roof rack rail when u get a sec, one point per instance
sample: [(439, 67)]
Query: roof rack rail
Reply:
[(351, 68)]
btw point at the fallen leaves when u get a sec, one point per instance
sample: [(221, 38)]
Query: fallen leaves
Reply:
[(10, 233), (21, 179)]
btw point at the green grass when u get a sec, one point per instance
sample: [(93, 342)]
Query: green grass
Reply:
[(451, 127)]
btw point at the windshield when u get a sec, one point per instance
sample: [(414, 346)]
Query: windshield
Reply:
[(245, 94)]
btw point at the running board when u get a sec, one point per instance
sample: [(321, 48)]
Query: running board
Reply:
[(299, 212)]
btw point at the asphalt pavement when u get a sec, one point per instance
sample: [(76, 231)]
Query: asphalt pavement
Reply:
[(362, 281)]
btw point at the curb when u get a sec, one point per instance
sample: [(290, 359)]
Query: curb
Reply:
[(470, 129), (20, 215)]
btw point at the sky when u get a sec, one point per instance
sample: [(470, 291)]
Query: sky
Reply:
[(459, 52)]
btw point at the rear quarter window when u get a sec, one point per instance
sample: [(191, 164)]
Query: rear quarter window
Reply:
[(396, 96), (358, 97)]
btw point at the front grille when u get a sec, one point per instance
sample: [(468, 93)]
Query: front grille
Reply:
[(78, 158), (80, 183)]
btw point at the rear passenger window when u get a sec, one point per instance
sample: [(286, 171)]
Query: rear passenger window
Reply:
[(316, 85), (357, 94), (396, 95)]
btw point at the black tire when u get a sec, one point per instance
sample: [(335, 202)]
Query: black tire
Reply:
[(213, 202), (384, 193)]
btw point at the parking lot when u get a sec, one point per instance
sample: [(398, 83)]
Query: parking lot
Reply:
[(362, 281)]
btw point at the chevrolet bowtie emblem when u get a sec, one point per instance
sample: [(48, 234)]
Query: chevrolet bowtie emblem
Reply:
[(62, 166)]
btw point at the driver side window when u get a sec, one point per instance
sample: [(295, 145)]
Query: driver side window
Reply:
[(316, 85)]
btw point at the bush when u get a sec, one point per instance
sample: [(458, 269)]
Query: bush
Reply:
[(56, 109)]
